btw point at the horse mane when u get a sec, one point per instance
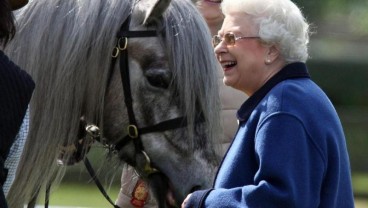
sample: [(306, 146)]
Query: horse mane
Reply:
[(66, 47)]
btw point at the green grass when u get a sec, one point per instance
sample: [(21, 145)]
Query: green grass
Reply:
[(81, 195), (361, 203), (360, 184)]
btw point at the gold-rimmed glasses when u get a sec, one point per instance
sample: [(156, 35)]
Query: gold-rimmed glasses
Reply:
[(229, 39)]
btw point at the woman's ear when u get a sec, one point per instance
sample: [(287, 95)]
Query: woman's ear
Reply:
[(272, 54)]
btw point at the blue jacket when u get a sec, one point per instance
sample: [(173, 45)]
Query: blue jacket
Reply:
[(289, 150)]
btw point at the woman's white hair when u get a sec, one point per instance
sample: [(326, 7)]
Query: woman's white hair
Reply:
[(280, 22)]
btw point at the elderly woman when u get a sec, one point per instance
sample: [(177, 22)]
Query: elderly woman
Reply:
[(289, 150)]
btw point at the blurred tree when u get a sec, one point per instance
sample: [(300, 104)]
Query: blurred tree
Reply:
[(349, 15)]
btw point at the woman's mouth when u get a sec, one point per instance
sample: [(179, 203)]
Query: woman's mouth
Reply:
[(227, 65)]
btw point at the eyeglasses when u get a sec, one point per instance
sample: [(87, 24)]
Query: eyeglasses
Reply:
[(229, 39)]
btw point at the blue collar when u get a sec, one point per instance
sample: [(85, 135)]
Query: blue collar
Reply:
[(290, 71)]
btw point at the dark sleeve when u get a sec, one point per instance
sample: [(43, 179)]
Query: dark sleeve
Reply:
[(16, 88), (2, 198)]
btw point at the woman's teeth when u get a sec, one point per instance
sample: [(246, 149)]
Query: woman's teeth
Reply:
[(228, 64)]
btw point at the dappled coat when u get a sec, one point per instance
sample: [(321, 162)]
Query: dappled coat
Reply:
[(231, 100)]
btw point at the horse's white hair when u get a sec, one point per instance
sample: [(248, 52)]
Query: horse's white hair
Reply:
[(66, 46), (280, 22)]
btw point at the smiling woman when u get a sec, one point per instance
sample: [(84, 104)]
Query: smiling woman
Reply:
[(287, 120)]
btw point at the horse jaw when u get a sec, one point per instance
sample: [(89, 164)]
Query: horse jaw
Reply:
[(180, 173)]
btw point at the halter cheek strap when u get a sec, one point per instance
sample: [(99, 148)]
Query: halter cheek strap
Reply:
[(134, 131)]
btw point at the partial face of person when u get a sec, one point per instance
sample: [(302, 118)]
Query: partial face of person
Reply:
[(210, 10), (241, 53)]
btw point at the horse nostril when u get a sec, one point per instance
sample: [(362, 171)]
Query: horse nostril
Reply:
[(195, 188)]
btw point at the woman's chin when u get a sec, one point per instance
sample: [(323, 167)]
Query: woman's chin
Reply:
[(228, 82)]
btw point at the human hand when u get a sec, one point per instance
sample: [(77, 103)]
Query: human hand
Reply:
[(185, 201)]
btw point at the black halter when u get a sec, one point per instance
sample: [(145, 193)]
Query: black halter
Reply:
[(134, 131)]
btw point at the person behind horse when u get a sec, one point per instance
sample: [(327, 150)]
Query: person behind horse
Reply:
[(290, 149), (231, 100), (16, 88)]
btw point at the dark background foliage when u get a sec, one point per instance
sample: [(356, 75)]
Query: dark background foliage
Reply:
[(339, 64)]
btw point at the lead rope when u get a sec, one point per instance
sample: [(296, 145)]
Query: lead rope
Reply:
[(47, 195), (97, 182)]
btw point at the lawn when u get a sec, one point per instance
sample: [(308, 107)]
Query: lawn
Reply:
[(88, 195), (81, 195)]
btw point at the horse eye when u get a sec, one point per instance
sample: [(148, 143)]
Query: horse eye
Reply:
[(158, 77), (158, 82)]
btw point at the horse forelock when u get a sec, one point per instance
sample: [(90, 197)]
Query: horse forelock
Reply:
[(194, 74)]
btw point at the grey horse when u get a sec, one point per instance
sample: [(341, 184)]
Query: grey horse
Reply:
[(66, 46)]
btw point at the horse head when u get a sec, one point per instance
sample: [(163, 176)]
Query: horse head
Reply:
[(182, 154), (172, 79)]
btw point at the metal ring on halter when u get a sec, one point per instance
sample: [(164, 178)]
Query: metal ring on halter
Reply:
[(115, 52), (133, 131), (125, 43), (148, 169), (93, 130)]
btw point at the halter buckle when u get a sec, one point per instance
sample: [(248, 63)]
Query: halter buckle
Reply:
[(124, 45), (93, 131), (133, 131), (121, 45), (115, 52)]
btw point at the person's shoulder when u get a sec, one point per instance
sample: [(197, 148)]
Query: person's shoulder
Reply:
[(294, 94), (12, 72), (301, 97), (300, 88)]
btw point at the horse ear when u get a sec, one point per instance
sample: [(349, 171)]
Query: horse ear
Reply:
[(156, 11)]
